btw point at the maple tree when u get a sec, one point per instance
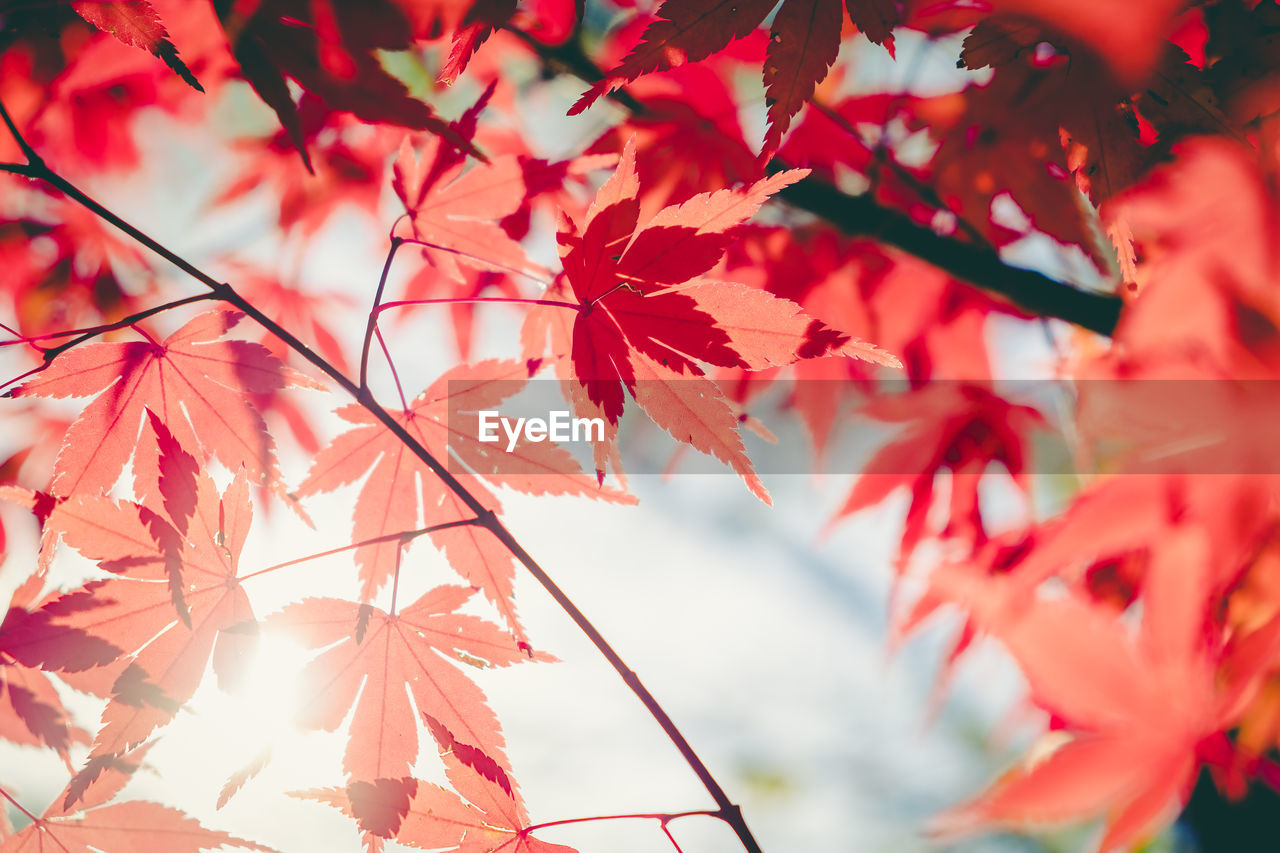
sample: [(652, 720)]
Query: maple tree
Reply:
[(729, 208)]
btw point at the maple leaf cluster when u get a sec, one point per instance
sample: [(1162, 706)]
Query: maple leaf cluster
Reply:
[(658, 259)]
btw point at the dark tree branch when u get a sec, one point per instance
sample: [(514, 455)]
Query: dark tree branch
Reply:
[(1027, 290)]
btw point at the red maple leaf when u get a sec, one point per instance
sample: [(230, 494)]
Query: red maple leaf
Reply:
[(802, 46), (135, 23), (639, 290), (1130, 47), (386, 664), (488, 817), (454, 214), (1135, 708), (31, 640), (645, 317), (402, 489), (960, 427), (98, 824), (330, 49), (165, 649), (193, 381)]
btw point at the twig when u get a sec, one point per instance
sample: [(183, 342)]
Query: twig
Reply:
[(27, 151), (884, 158), (48, 354), (405, 537), (53, 352)]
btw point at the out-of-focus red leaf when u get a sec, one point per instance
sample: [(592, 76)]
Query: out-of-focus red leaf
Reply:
[(136, 23)]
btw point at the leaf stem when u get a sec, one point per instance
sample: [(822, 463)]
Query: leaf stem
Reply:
[(395, 582), (463, 300), (660, 816), (666, 830), (151, 340), (21, 376), (17, 805), (395, 374), (485, 261), (405, 536)]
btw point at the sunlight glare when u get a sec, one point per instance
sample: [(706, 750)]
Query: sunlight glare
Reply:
[(261, 715)]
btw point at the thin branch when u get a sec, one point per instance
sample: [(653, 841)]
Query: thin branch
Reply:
[(82, 335), (728, 812), (369, 328), (884, 158), (27, 151)]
